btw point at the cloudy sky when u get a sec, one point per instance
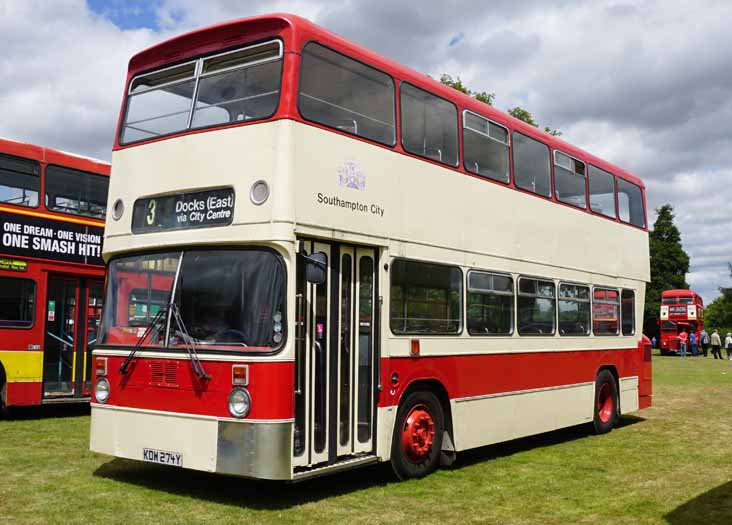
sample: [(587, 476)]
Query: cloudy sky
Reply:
[(644, 84)]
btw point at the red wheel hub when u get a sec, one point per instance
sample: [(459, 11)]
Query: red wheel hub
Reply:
[(418, 434), (605, 403)]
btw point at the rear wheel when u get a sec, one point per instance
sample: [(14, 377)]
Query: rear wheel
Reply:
[(3, 394), (606, 402), (417, 439)]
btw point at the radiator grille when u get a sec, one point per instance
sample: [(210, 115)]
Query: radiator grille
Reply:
[(164, 373)]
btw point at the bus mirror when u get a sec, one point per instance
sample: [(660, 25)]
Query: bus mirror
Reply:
[(315, 267)]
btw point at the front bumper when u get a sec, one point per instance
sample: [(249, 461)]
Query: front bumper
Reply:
[(250, 448)]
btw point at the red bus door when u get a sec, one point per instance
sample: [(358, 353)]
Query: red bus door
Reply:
[(72, 308), (336, 356)]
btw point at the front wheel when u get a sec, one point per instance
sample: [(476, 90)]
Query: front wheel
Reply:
[(417, 439), (606, 403)]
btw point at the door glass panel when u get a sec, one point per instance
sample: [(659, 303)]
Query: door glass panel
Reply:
[(300, 367), (345, 360), (93, 319), (365, 346), (58, 357), (320, 352)]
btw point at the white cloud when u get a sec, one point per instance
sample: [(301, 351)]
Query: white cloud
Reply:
[(644, 84)]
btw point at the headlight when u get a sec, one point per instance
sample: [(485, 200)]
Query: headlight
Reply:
[(101, 390), (239, 402)]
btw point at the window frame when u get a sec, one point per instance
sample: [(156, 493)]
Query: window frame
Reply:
[(395, 94), (588, 301), (464, 126), (585, 176), (550, 170), (630, 222), (54, 210), (555, 319), (41, 174), (622, 317), (197, 76), (35, 303), (458, 153), (613, 177), (462, 312), (606, 289), (511, 294)]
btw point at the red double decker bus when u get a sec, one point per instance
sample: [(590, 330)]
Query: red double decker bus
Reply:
[(52, 207), (320, 259), (681, 310)]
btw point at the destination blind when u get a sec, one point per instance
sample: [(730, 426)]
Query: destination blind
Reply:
[(50, 239), (184, 211)]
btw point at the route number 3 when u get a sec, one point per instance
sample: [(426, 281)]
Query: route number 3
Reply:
[(150, 217)]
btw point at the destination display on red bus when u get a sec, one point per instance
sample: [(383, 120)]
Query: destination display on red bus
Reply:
[(50, 239), (184, 210)]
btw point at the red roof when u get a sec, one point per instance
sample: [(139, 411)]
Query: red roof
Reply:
[(54, 156), (296, 31)]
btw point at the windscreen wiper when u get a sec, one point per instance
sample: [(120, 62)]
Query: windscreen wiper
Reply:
[(148, 331), (189, 343)]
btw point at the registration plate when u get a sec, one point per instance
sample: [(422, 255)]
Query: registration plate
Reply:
[(162, 456)]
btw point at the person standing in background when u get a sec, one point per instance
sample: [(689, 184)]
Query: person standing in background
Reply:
[(683, 339), (653, 342), (716, 345), (728, 345), (692, 344), (704, 341)]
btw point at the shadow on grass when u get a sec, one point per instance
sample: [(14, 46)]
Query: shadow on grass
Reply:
[(272, 495), (714, 506), (240, 492), (509, 448), (47, 411)]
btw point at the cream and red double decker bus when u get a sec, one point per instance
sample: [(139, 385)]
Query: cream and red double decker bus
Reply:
[(320, 259), (52, 207)]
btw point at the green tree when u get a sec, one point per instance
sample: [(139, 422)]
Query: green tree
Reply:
[(522, 114), (669, 265), (718, 314), (486, 98)]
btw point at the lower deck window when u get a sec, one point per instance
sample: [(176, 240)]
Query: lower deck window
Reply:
[(490, 304), (536, 307), (574, 309), (425, 298), (17, 302), (605, 312), (628, 312)]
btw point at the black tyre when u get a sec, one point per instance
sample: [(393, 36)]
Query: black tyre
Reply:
[(605, 408), (417, 439)]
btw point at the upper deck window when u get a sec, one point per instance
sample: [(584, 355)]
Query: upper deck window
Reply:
[(235, 86), (569, 180), (19, 181), (630, 204), (602, 192), (429, 125), (531, 165), (344, 94), (485, 147), (76, 192)]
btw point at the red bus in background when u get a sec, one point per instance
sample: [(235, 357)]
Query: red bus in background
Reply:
[(52, 208), (680, 310)]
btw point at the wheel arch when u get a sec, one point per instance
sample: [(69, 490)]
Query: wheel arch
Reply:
[(3, 386), (434, 385)]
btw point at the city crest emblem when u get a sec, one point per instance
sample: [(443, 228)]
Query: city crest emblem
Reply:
[(350, 175)]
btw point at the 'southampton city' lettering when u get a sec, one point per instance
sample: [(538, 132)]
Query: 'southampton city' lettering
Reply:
[(354, 206)]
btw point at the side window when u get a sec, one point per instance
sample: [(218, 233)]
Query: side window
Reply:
[(531, 165), (627, 313), (20, 181), (76, 192), (485, 147), (605, 311), (574, 309), (429, 125), (536, 307), (344, 94), (426, 298), (602, 192), (17, 302), (490, 303), (569, 180), (630, 204)]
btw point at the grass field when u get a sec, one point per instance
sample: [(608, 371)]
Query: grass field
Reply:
[(671, 463)]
